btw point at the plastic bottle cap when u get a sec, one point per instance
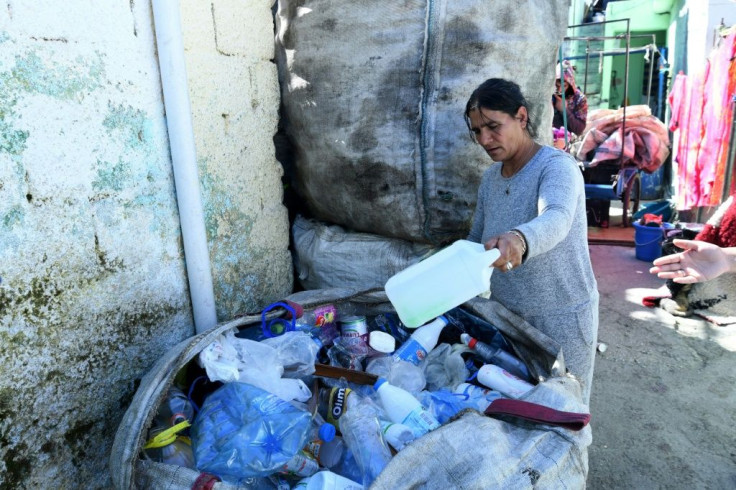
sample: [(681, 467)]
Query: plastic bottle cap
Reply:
[(382, 341), (327, 432), (378, 383), (468, 340)]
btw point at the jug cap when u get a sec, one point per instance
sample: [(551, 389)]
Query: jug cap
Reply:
[(378, 383)]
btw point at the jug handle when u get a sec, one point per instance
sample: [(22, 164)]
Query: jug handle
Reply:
[(487, 257)]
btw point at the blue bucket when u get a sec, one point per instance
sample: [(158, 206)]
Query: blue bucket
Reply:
[(648, 241)]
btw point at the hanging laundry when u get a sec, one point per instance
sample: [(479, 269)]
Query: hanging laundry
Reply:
[(701, 113)]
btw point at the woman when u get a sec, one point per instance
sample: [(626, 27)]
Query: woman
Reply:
[(531, 206), (575, 104)]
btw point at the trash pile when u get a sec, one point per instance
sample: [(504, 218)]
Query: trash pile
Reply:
[(326, 398)]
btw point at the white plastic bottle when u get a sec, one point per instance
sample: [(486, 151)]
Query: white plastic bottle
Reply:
[(476, 397), (402, 407), (421, 341), (397, 435), (501, 380), (327, 480)]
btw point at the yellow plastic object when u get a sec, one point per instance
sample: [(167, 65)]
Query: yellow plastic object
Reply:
[(166, 437)]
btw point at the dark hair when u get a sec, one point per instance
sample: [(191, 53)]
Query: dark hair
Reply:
[(497, 94)]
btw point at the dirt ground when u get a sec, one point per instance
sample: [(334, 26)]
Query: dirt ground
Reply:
[(663, 400)]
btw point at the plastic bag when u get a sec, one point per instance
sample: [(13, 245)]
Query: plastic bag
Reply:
[(445, 367), (244, 431)]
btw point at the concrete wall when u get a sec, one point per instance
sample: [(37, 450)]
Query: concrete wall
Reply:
[(93, 275)]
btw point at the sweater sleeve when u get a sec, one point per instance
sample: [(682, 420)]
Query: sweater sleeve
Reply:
[(560, 187)]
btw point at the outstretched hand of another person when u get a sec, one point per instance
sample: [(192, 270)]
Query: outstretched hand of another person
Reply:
[(700, 261)]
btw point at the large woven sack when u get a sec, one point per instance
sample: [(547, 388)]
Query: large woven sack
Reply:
[(329, 256), (471, 451), (373, 95)]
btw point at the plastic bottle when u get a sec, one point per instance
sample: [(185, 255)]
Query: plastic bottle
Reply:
[(441, 282), (476, 397), (402, 407), (323, 443), (320, 323), (421, 341), (362, 433), (301, 464), (166, 446), (497, 356), (327, 480), (397, 435), (175, 409), (501, 380), (333, 402)]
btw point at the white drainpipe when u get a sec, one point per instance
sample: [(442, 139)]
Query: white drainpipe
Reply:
[(167, 20)]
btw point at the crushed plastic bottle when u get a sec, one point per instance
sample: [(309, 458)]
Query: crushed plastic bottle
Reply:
[(476, 397), (362, 433), (176, 408)]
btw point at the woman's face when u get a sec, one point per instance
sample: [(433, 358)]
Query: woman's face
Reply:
[(502, 136), (557, 85)]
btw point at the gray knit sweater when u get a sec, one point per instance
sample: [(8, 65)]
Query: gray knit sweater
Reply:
[(554, 289), (545, 200)]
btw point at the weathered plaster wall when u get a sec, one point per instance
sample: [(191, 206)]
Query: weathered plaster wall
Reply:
[(235, 99), (93, 277)]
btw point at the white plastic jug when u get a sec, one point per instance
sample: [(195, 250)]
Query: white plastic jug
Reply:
[(439, 283)]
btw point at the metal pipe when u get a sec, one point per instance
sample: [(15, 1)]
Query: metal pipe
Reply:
[(651, 74), (587, 59), (603, 38), (608, 53), (626, 94), (564, 99)]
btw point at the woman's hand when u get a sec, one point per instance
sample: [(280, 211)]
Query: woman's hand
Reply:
[(701, 261), (557, 102), (511, 248)]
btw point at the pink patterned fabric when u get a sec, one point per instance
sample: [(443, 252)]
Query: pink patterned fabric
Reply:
[(702, 111)]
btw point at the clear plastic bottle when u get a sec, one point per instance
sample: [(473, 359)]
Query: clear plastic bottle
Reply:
[(402, 407), (362, 433), (497, 356), (166, 446), (499, 379), (333, 402), (421, 341), (175, 409), (301, 464), (323, 443), (475, 396)]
